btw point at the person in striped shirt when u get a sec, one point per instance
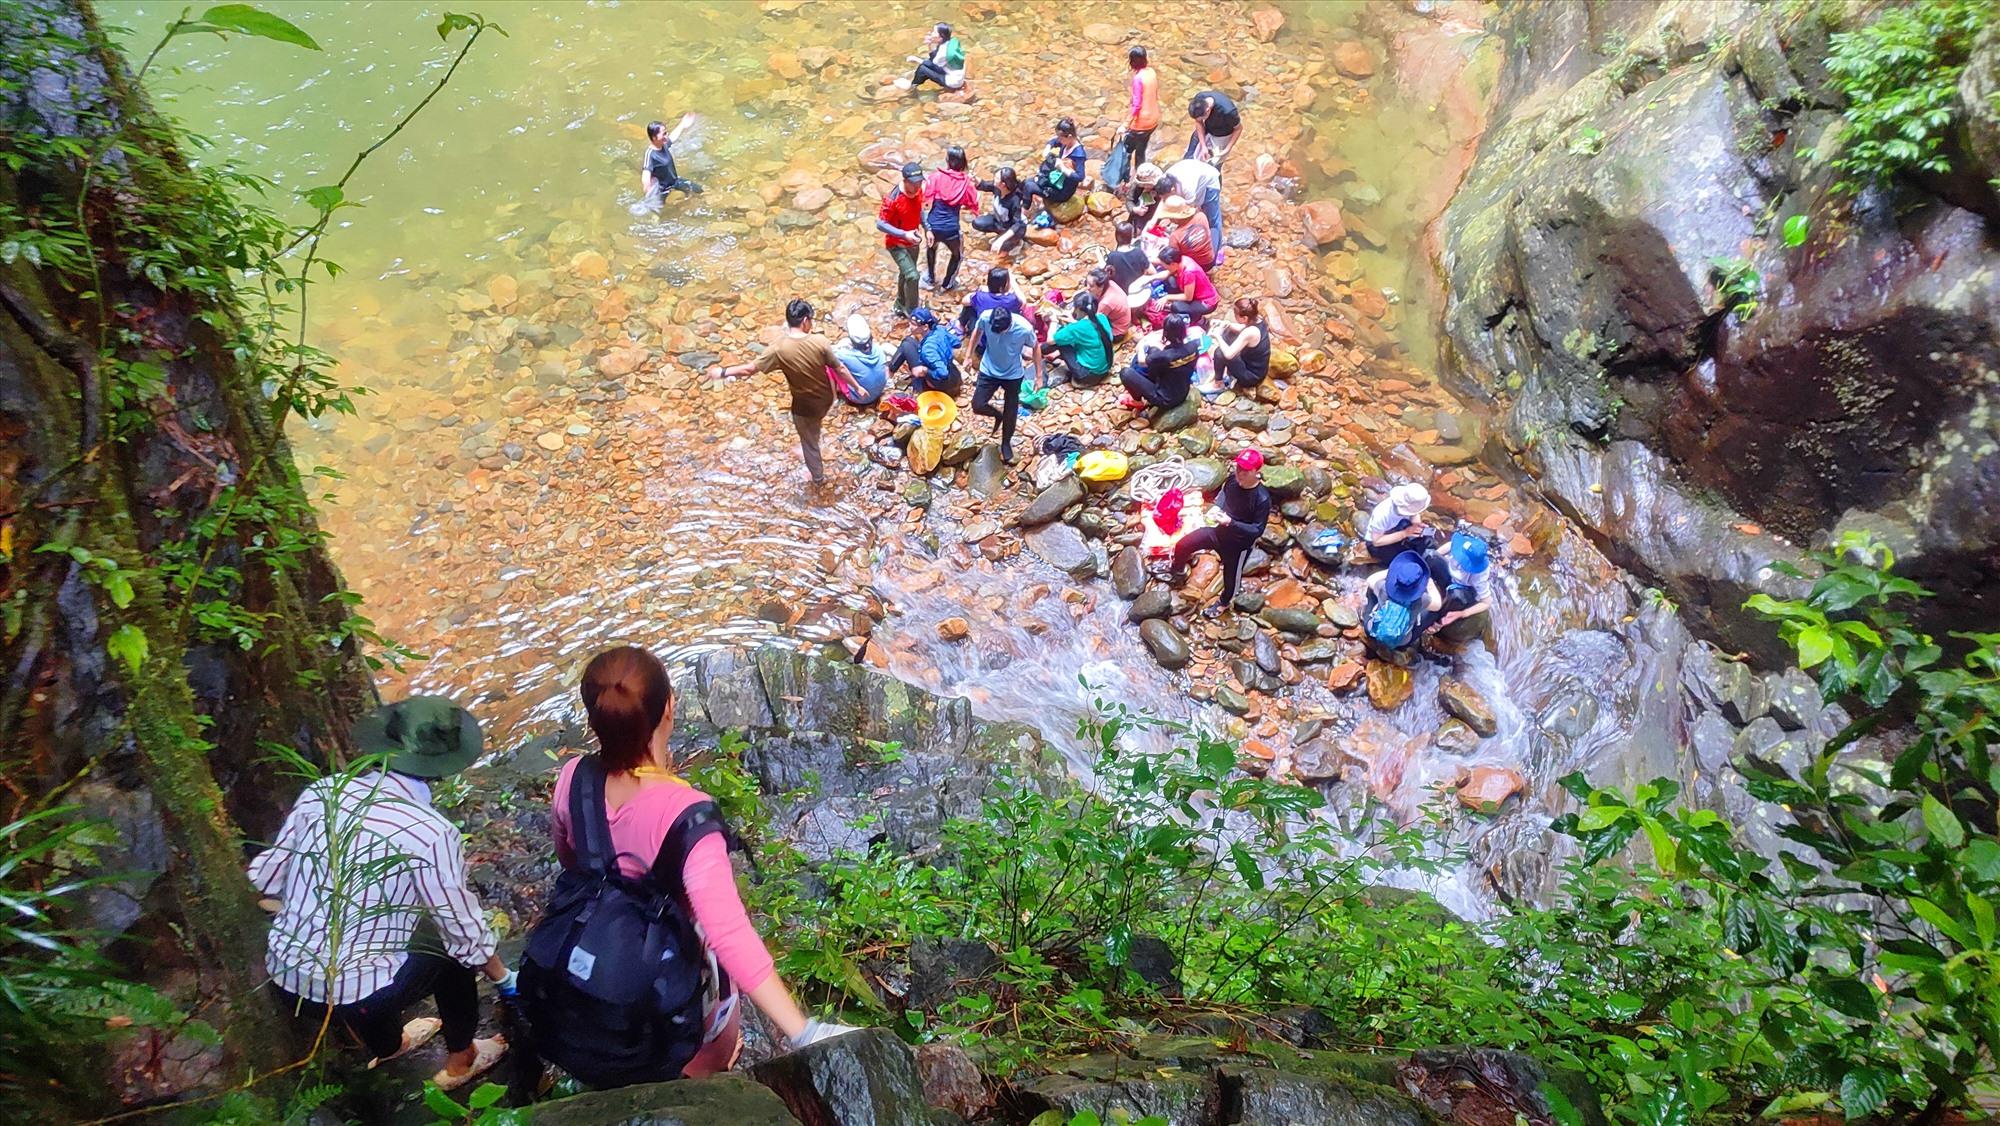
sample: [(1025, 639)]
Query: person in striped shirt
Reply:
[(361, 861)]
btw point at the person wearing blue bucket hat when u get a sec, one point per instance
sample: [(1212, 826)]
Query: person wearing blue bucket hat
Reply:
[(1465, 574), (362, 859), (1401, 601)]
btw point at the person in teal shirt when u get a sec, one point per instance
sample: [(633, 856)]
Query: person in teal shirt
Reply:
[(1082, 348)]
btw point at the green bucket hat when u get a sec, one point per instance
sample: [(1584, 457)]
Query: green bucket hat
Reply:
[(424, 736)]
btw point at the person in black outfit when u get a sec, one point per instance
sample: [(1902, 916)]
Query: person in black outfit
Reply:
[(659, 173), (1243, 346), (1128, 263), (1009, 217), (1161, 376), (1246, 504), (1216, 127)]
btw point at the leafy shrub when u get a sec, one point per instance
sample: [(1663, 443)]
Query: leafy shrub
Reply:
[(1899, 75), (1874, 974), (1738, 286)]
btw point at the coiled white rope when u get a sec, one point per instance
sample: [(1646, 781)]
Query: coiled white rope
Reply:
[(1151, 483)]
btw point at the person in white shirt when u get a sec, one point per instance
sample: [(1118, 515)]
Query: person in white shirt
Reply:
[(1198, 182), (1396, 522), (361, 860)]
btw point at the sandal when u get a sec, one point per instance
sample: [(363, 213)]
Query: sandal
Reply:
[(485, 1053), (417, 1032)]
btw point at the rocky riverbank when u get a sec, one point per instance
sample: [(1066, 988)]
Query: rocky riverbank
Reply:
[(821, 721)]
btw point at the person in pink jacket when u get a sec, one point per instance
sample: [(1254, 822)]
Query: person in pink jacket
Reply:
[(629, 701), (947, 191)]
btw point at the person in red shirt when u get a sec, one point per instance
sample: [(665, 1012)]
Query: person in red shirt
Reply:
[(901, 224)]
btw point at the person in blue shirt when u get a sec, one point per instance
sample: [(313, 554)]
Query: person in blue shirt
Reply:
[(867, 368), (929, 353), (1006, 339), (1066, 146)]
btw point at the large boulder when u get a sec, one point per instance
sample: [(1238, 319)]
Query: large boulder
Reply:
[(1063, 547), (1583, 249), (862, 1078), (720, 1100), (1049, 506)]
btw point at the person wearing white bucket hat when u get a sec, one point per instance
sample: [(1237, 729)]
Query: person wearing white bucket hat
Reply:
[(1396, 524), (866, 366)]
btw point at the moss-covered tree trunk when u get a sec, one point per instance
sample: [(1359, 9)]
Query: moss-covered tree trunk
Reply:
[(131, 430)]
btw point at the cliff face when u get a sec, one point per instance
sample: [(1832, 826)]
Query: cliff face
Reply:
[(1638, 152)]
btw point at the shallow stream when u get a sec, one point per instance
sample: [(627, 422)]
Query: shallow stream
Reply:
[(513, 500)]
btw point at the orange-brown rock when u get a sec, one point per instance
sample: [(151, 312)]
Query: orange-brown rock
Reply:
[(1388, 685), (1487, 787), (1323, 222)]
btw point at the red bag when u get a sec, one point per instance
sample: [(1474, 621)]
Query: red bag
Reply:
[(1167, 510)]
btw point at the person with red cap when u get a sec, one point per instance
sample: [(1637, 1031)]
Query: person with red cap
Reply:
[(1245, 505)]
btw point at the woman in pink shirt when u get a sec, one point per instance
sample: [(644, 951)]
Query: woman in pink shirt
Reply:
[(1111, 301), (630, 704), (1197, 294)]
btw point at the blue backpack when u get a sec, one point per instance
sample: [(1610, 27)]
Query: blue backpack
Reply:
[(1391, 624), (613, 977)]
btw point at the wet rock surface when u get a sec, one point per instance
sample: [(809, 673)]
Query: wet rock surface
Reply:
[(1582, 297), (722, 1100)]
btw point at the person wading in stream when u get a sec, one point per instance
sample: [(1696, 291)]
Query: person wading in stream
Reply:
[(659, 174), (803, 355), (360, 861), (1246, 506), (901, 222), (1003, 339)]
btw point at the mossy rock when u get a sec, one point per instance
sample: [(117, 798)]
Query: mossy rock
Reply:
[(723, 1100)]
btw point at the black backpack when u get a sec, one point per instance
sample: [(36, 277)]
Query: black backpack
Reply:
[(611, 984)]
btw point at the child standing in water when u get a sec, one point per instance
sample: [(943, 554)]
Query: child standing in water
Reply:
[(659, 176)]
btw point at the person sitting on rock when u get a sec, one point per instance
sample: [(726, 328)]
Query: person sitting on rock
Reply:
[(629, 702), (947, 192), (1401, 603), (1199, 183), (942, 62), (1143, 197), (1245, 505), (930, 353), (343, 939), (1242, 348), (1065, 146), (867, 369), (1185, 229), (1127, 262), (1162, 372), (1464, 573), (659, 175), (1111, 301), (1083, 346), (1009, 217), (1396, 524), (1196, 294)]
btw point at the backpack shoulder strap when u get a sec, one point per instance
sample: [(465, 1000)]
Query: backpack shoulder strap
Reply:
[(589, 823), (695, 823)]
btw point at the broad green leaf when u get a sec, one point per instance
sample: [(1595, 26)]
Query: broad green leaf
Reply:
[(1560, 1108), (246, 20), (1848, 996), (119, 588), (443, 1105), (1938, 917), (1666, 1107), (1981, 911), (128, 644), (326, 197), (1797, 228), (1863, 1091), (1598, 817), (1792, 1104), (1942, 823), (1246, 866), (1982, 859), (486, 1095), (1814, 644)]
